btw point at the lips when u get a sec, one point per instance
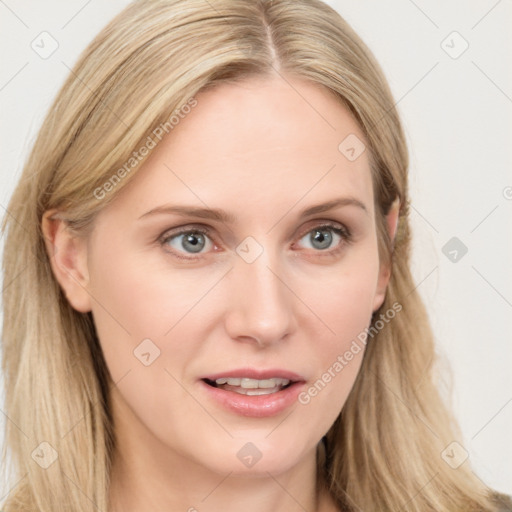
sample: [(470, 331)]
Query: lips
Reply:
[(252, 392)]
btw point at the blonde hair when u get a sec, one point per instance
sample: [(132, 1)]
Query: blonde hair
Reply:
[(384, 450)]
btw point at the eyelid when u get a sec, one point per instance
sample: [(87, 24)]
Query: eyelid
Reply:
[(322, 223)]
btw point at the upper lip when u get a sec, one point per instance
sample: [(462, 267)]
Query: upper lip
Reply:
[(258, 374)]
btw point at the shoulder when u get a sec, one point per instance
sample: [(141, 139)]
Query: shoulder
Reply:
[(503, 501)]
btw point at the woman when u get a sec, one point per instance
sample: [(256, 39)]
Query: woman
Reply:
[(213, 225)]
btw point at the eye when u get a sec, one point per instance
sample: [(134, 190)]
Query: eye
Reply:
[(190, 241), (325, 237)]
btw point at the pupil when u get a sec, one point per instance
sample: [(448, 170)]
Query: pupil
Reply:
[(195, 241), (323, 237)]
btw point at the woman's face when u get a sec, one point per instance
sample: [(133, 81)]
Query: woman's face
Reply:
[(271, 297)]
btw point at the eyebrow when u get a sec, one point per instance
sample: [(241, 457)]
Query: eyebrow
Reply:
[(228, 218)]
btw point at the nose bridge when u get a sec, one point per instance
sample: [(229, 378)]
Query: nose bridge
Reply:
[(261, 304)]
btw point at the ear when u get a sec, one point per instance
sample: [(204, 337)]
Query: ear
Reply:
[(385, 270), (68, 259)]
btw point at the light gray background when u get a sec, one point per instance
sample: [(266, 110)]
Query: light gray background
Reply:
[(456, 113)]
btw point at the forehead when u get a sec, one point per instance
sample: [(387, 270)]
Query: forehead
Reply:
[(262, 142)]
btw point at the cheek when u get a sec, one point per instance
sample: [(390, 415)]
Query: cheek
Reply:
[(345, 308), (343, 296), (136, 300), (147, 322)]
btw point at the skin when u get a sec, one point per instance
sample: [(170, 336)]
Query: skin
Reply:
[(264, 150)]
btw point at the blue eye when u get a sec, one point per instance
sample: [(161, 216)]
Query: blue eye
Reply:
[(192, 241), (324, 237)]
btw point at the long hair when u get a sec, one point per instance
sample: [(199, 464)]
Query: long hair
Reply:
[(134, 81)]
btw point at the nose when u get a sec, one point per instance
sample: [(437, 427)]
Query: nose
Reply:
[(261, 305)]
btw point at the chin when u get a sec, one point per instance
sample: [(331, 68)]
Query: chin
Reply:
[(254, 453)]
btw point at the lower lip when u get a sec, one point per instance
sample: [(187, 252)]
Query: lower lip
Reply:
[(256, 406)]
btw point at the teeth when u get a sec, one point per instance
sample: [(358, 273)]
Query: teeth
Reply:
[(253, 383), (253, 392)]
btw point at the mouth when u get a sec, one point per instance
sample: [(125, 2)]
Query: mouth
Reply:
[(252, 392), (250, 387)]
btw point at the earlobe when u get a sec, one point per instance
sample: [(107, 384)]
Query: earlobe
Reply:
[(385, 270), (68, 259)]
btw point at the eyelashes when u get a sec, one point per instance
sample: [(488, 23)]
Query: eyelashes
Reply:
[(195, 242)]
